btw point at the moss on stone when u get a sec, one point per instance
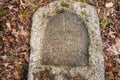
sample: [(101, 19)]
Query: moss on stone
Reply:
[(83, 12), (46, 75), (63, 4)]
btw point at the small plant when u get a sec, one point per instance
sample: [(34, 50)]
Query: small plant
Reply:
[(9, 54), (105, 21), (2, 13), (25, 12), (63, 4)]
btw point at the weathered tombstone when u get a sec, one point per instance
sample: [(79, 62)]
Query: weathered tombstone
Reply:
[(66, 43)]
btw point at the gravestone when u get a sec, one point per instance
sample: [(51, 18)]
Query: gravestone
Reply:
[(66, 43)]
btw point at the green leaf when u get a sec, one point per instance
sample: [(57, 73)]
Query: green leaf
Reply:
[(25, 12), (2, 13), (105, 22), (9, 54)]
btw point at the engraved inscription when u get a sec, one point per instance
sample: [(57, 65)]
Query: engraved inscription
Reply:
[(65, 41)]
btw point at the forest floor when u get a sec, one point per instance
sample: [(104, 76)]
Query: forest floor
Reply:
[(15, 25)]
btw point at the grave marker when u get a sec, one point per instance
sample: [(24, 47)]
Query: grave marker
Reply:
[(66, 42)]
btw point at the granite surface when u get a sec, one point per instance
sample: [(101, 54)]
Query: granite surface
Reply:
[(65, 41), (39, 37)]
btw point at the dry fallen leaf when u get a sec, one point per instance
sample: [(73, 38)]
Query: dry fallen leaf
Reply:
[(109, 4), (115, 49), (4, 57), (24, 33), (117, 60), (119, 72), (8, 25)]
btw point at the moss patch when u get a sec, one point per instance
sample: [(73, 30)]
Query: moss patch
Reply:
[(83, 12), (63, 4), (46, 75)]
